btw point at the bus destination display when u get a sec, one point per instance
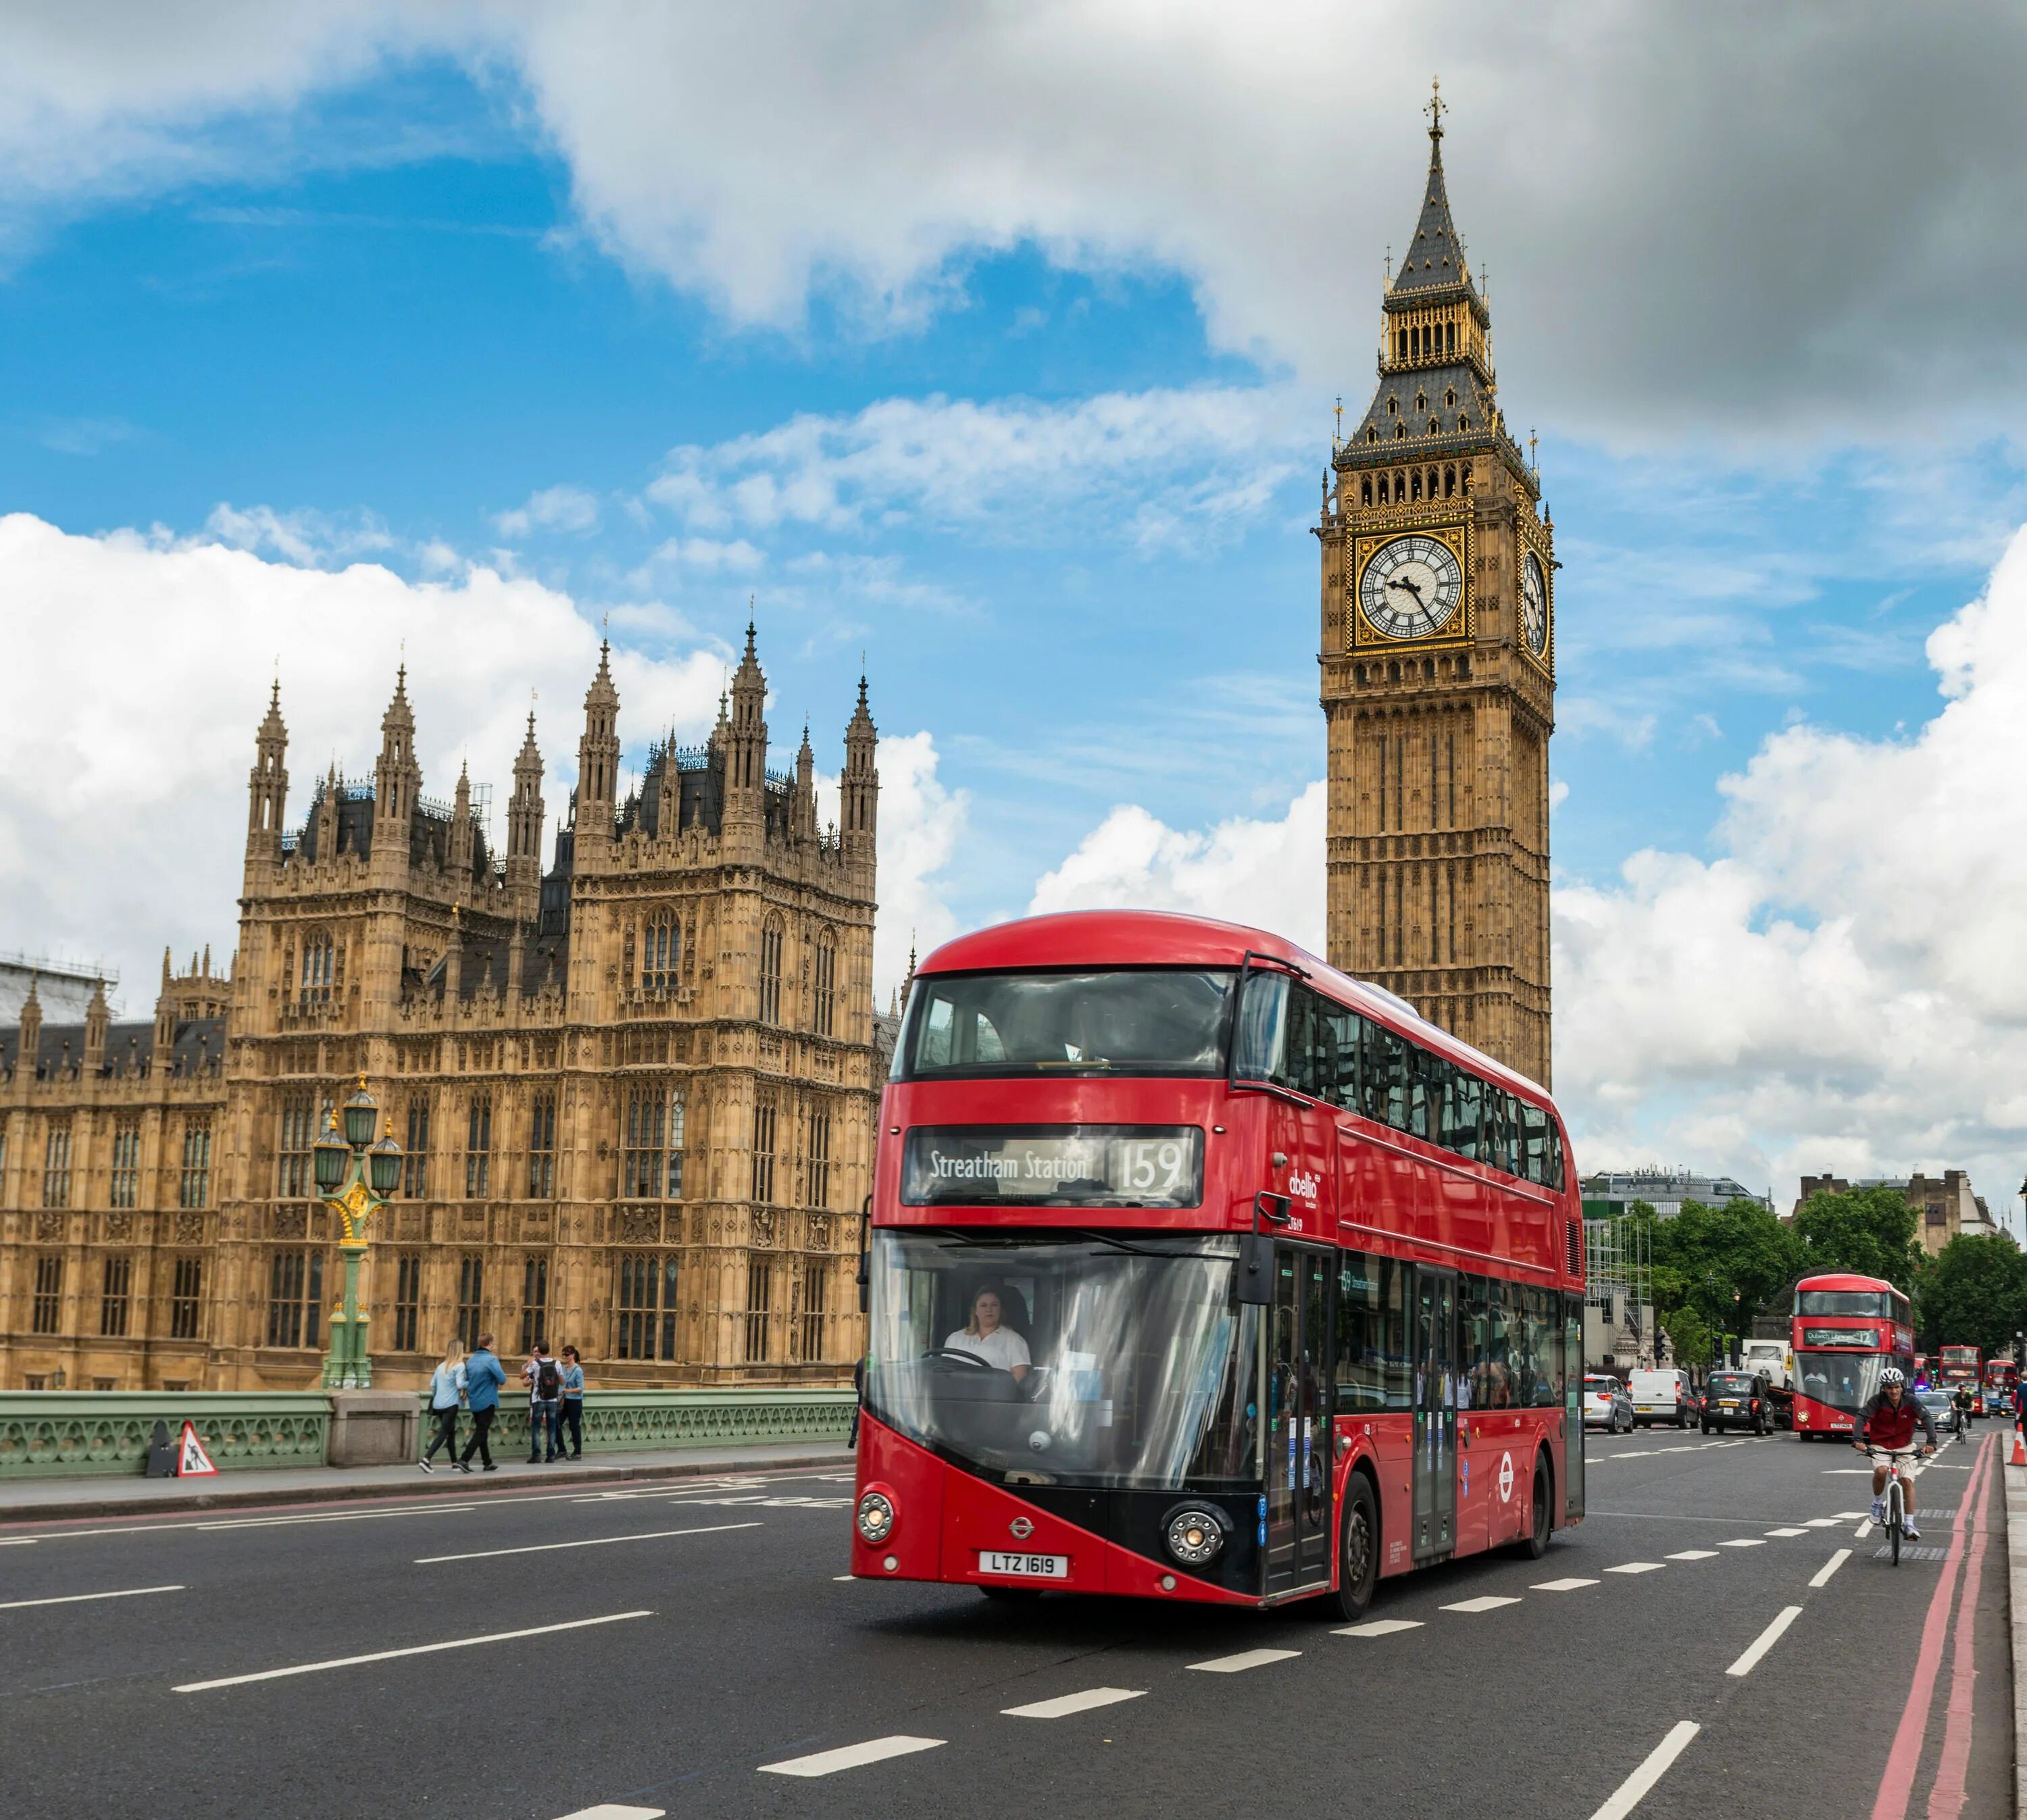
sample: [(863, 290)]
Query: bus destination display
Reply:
[(1064, 1165)]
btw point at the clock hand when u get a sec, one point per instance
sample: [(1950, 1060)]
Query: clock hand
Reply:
[(1402, 581)]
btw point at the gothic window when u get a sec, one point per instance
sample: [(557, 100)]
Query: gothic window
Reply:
[(1414, 485), (185, 1298), (1400, 433), (763, 1151), (319, 966), (825, 1012), (1393, 406), (810, 1347), (819, 1183), (478, 1147), (470, 1299), (542, 1147), (652, 1155), (1450, 480), (195, 1189), (415, 1153), (407, 1299), (759, 1304), (46, 1315), (56, 1166), (1421, 401), (645, 1306), (626, 961), (115, 1296), (125, 1163), (661, 951), (295, 1297), (771, 973), (1449, 397), (1372, 436), (534, 1300), (294, 1179), (1365, 491), (1436, 428)]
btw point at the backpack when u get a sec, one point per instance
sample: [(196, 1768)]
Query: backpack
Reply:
[(549, 1381)]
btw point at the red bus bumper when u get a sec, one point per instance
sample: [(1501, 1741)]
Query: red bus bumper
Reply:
[(945, 1520)]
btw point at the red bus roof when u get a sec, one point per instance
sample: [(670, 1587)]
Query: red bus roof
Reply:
[(1842, 1279), (1165, 939)]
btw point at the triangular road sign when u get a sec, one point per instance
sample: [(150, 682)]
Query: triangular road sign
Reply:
[(192, 1461)]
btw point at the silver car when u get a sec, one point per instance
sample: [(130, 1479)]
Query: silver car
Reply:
[(1607, 1403), (1942, 1411)]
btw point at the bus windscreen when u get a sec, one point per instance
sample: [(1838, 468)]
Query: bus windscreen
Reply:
[(1155, 1020)]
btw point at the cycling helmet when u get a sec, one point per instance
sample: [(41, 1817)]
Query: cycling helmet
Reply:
[(1892, 1374)]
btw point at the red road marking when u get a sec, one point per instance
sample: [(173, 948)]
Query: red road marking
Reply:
[(1946, 1800), (1897, 1785)]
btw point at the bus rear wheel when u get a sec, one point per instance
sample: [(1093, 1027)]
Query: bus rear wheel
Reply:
[(1357, 1551)]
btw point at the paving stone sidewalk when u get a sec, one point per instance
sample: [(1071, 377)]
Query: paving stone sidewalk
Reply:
[(51, 1500)]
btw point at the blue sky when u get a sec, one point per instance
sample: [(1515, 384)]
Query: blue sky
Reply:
[(1027, 400)]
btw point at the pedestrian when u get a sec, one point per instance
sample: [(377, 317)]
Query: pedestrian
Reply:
[(544, 1387), (446, 1387), (570, 1407), (483, 1376)]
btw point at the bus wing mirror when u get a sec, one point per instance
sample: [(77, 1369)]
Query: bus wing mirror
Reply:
[(1256, 1271)]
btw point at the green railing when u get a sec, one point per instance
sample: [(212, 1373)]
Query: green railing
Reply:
[(58, 1434), (637, 1421)]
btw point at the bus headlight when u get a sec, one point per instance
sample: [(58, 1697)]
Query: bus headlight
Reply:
[(1195, 1535), (875, 1517)]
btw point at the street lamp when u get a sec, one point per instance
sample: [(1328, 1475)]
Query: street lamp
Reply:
[(355, 1177)]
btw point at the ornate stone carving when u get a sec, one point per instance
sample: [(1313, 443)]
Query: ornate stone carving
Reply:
[(189, 1228), (819, 1232), (292, 1222), (640, 1225), (119, 1227), (763, 1226), (49, 1227)]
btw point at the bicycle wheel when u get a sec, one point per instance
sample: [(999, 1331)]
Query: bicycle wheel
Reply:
[(1895, 1510)]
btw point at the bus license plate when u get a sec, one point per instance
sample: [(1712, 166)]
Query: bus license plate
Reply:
[(1027, 1566)]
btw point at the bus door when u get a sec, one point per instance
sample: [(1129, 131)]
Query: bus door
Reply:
[(1301, 1373), (1435, 1413), (1573, 1427)]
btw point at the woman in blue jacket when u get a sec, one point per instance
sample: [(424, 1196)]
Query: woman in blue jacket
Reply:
[(483, 1376), (446, 1386)]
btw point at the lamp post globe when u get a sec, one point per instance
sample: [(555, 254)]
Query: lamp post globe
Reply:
[(383, 1166), (361, 1115), (331, 1156)]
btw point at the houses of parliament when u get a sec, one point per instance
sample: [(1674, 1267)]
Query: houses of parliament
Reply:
[(636, 1091)]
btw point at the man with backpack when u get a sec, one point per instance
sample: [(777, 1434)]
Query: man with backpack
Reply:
[(546, 1386)]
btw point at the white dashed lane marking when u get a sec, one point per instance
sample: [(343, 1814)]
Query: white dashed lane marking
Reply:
[(594, 1542), (852, 1756), (1765, 1640), (1380, 1627), (1488, 1602), (1569, 1585), (1824, 1522), (1064, 1704), (1245, 1659), (1628, 1793), (1822, 1576), (1743, 1542), (1787, 1532), (1637, 1567), (611, 1810), (85, 1598), (1694, 1555)]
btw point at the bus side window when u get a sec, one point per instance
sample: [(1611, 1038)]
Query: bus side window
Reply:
[(1346, 1036), (1506, 1151), (1535, 1123), (1262, 1025), (1384, 1076), (1466, 1092), (1373, 1369), (1424, 1083), (933, 1048), (1555, 1165)]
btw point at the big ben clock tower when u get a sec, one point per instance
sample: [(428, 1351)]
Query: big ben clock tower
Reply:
[(1438, 669)]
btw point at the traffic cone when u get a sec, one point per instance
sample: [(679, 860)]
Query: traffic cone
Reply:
[(2019, 1448)]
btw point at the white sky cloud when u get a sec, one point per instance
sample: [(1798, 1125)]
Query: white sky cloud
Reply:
[(554, 508), (123, 811), (1748, 209)]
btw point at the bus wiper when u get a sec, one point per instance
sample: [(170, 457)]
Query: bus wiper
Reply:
[(1118, 1244)]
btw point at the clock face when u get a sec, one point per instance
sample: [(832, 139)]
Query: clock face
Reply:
[(1535, 605), (1411, 587)]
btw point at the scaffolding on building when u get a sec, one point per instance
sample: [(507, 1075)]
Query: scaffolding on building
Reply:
[(1618, 1290)]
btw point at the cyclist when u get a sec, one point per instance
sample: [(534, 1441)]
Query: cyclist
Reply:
[(1889, 1421)]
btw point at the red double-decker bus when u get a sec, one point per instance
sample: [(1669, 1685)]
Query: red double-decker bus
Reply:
[(1199, 1270), (1846, 1329), (1960, 1370), (2002, 1387)]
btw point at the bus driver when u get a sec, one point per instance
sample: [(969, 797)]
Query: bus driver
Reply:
[(984, 1338)]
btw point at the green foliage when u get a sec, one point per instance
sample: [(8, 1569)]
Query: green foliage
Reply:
[(1974, 1292), (1724, 1263), (1696, 1345), (1870, 1231)]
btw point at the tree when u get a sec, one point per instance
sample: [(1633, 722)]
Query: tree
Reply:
[(1870, 1232), (1696, 1345), (1974, 1292), (1724, 1262)]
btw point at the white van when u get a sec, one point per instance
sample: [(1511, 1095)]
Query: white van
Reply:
[(1663, 1396)]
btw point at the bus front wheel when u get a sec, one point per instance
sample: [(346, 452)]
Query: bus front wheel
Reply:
[(1534, 1545), (1358, 1551)]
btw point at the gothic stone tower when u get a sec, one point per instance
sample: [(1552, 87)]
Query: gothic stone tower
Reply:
[(1438, 670)]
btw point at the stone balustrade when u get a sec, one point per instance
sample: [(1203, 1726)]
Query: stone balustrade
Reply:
[(59, 1434)]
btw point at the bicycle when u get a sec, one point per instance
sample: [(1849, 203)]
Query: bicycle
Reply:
[(1896, 1496)]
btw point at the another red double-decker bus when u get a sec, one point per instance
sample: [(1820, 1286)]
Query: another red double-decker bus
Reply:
[(1960, 1370), (1199, 1270), (1846, 1328)]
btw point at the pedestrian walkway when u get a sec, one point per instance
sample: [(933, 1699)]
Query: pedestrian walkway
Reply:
[(49, 1500)]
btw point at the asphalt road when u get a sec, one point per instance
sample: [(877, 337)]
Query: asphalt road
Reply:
[(681, 1643)]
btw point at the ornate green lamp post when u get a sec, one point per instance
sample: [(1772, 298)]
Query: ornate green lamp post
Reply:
[(355, 1177)]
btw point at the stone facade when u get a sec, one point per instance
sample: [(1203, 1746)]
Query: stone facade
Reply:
[(1438, 655), (1944, 1206), (637, 1090)]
